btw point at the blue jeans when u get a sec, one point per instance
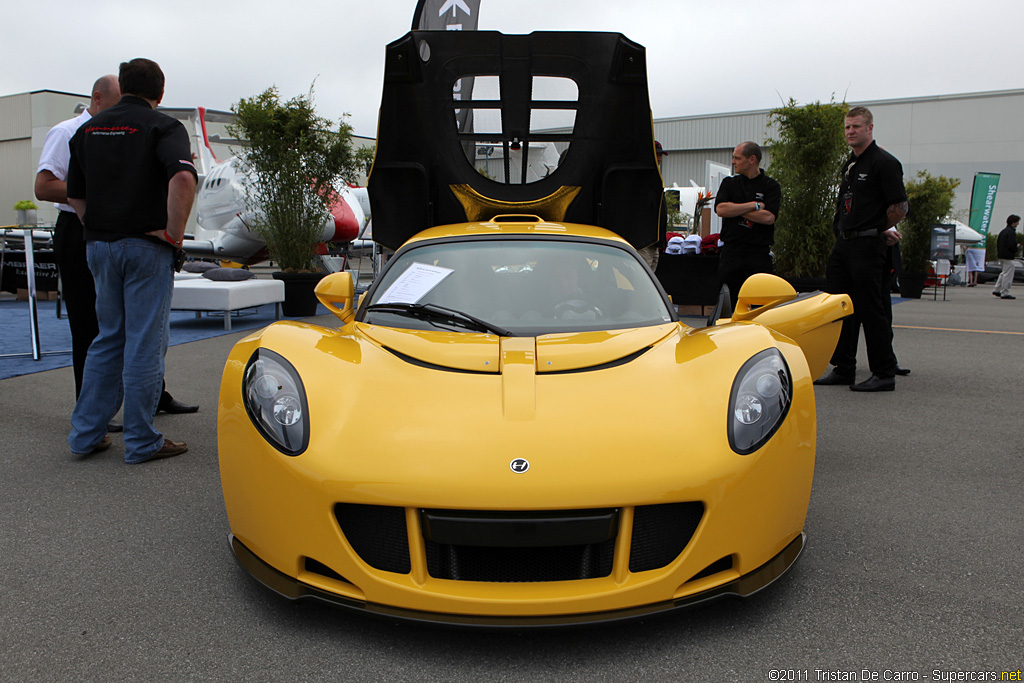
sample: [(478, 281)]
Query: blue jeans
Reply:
[(134, 280)]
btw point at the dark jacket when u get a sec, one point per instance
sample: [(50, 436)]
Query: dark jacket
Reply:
[(1006, 243)]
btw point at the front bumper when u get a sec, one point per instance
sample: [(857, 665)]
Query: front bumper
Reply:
[(293, 589)]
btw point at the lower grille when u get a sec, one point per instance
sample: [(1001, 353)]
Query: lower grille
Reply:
[(520, 565), (377, 534), (519, 547), (661, 532)]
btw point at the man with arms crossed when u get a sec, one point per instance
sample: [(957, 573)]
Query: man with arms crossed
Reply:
[(748, 204), (132, 182), (872, 199)]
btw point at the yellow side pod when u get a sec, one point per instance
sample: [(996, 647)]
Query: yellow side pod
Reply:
[(814, 324)]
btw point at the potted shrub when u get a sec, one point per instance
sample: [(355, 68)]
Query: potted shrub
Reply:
[(26, 212), (930, 198), (295, 159), (806, 152)]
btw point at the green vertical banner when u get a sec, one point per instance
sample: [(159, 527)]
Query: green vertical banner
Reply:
[(983, 200)]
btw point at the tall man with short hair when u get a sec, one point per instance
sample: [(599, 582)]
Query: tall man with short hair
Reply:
[(132, 182), (748, 204), (872, 200)]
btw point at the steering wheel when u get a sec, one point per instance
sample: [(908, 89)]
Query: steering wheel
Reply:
[(577, 309)]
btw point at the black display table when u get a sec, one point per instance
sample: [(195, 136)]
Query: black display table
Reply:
[(690, 279)]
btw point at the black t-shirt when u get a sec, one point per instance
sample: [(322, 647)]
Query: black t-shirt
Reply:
[(121, 162), (870, 184), (739, 189)]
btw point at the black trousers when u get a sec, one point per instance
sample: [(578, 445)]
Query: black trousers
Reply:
[(79, 290), (857, 267), (738, 262)]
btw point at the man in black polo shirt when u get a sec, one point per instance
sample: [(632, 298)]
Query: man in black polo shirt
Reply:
[(131, 181), (872, 199), (748, 204)]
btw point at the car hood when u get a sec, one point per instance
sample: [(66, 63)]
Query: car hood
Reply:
[(489, 353)]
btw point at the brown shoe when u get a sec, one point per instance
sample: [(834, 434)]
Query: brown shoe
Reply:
[(168, 450), (103, 445)]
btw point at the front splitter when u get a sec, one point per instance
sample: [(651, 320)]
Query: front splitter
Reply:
[(743, 587)]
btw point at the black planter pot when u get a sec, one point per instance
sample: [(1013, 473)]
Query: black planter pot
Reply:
[(912, 284), (299, 299)]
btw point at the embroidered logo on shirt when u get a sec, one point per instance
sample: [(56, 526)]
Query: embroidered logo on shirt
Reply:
[(110, 130)]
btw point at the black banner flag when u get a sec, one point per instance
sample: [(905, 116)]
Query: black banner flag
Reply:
[(451, 15)]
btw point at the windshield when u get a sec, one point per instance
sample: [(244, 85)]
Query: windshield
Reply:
[(524, 287)]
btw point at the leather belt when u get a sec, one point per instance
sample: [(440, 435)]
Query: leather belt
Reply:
[(849, 235)]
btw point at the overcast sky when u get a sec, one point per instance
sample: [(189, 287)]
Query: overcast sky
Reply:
[(703, 58)]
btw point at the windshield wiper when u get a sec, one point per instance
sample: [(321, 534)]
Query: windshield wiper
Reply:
[(441, 313)]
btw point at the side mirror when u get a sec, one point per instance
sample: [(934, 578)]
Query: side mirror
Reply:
[(759, 293), (723, 308), (336, 292)]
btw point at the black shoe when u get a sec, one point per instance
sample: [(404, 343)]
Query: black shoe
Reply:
[(834, 378), (172, 405), (876, 383), (115, 426), (1007, 296), (995, 293), (902, 372)]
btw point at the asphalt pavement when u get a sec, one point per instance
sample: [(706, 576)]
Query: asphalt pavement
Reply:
[(913, 568)]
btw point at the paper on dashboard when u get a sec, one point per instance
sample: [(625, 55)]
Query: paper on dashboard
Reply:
[(412, 285)]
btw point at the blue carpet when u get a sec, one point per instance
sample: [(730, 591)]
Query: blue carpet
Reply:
[(55, 334)]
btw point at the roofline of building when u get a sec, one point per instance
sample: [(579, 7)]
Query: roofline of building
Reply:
[(901, 100)]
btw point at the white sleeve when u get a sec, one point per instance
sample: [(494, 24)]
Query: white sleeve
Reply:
[(56, 154)]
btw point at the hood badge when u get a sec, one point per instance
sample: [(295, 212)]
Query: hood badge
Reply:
[(519, 465)]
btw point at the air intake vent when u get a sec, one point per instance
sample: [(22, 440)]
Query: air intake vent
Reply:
[(661, 532), (377, 534)]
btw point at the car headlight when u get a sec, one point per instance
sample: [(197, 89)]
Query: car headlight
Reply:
[(760, 398), (276, 401)]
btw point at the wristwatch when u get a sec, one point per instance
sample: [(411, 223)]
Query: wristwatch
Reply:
[(757, 206)]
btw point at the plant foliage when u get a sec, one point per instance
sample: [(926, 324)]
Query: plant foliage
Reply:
[(930, 198), (295, 161), (807, 151)]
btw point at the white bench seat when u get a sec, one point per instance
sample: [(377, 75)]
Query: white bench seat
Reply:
[(201, 294)]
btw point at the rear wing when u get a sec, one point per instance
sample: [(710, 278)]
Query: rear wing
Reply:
[(561, 129)]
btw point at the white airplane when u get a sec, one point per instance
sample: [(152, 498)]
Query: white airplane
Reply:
[(222, 218)]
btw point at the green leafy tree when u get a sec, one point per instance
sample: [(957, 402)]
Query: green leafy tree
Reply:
[(930, 198), (674, 215), (807, 151), (295, 161)]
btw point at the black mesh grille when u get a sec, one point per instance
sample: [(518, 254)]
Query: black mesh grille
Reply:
[(377, 534), (520, 565), (520, 547), (660, 532)]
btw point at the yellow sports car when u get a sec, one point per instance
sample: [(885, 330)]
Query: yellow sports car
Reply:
[(512, 426)]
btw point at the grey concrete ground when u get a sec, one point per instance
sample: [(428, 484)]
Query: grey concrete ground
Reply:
[(914, 561)]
